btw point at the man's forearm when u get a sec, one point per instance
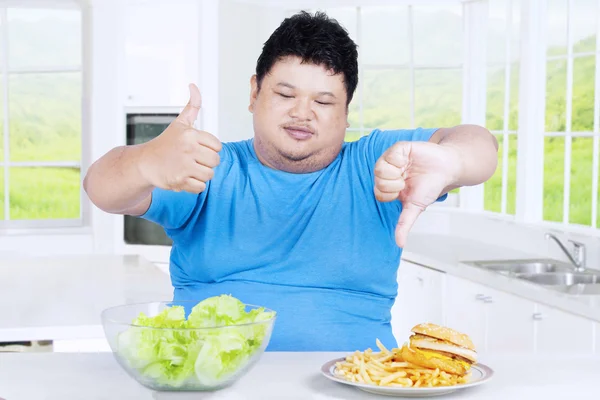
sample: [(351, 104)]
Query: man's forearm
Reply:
[(114, 182), (477, 151)]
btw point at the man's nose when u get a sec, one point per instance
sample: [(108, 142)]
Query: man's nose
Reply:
[(302, 109)]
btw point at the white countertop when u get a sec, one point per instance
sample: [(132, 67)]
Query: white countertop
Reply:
[(294, 376), (62, 297), (447, 254)]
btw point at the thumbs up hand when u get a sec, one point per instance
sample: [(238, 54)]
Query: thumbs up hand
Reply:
[(181, 158)]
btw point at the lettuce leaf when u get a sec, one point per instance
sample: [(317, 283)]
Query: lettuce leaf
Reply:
[(203, 357)]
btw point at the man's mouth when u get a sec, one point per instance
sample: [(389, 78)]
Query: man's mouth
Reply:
[(299, 132)]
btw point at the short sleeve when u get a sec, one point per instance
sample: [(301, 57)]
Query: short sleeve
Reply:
[(170, 209), (378, 141)]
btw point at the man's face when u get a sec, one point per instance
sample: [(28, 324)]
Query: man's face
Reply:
[(300, 116)]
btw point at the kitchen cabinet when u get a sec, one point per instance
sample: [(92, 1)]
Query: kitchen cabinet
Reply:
[(597, 345), (509, 323), (496, 321), (499, 322), (465, 309), (561, 332), (420, 296), (160, 51)]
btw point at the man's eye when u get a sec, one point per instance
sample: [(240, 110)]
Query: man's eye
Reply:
[(284, 95), (324, 103)]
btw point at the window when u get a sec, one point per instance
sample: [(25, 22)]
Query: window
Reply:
[(41, 116), (410, 74), (570, 191), (502, 102)]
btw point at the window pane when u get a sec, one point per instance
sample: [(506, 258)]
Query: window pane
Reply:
[(584, 14), (384, 35), (511, 184), (513, 106), (1, 118), (2, 193), (435, 107), (352, 136), (498, 14), (346, 16), (44, 193), (580, 210), (597, 205), (495, 98), (354, 111), (45, 117), (556, 27), (584, 75), (554, 183), (496, 40), (387, 99), (44, 38), (556, 88), (493, 187), (438, 34)]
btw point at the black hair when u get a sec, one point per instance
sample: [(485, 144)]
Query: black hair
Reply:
[(316, 39)]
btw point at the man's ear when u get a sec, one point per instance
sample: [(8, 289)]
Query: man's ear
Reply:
[(253, 92)]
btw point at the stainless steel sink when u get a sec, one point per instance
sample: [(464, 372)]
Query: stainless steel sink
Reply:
[(532, 266), (552, 274), (564, 279), (592, 289)]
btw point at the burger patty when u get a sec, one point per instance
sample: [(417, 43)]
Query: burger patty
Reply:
[(443, 347)]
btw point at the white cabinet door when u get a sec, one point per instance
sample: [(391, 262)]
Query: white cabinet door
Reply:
[(419, 299), (161, 51), (561, 332), (510, 325), (464, 309), (597, 327)]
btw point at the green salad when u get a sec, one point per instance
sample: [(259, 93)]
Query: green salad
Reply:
[(170, 357)]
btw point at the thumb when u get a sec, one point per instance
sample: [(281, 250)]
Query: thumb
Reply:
[(190, 113), (408, 216)]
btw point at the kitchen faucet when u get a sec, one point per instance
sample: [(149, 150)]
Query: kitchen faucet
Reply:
[(577, 257)]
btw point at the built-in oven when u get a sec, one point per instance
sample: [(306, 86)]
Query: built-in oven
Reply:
[(135, 234)]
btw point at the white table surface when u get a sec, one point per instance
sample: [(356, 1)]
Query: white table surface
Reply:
[(51, 298), (295, 376)]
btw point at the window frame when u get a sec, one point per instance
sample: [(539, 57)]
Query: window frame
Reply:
[(569, 134), (8, 225), (412, 67), (530, 132)]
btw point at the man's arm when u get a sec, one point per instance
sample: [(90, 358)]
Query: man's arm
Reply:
[(417, 173), (477, 153), (180, 159), (115, 184)]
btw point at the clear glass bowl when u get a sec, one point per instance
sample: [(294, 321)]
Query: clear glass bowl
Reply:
[(183, 359)]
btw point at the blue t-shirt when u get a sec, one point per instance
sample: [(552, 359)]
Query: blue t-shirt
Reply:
[(318, 248)]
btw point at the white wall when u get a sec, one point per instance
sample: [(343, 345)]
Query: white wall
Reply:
[(243, 28)]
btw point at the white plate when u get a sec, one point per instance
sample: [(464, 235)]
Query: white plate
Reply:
[(479, 374)]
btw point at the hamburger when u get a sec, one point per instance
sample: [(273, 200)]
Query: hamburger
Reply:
[(432, 346)]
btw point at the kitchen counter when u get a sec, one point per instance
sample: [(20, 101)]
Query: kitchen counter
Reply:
[(293, 376), (54, 298), (447, 254)]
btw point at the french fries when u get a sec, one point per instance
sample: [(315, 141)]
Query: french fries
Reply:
[(387, 368)]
